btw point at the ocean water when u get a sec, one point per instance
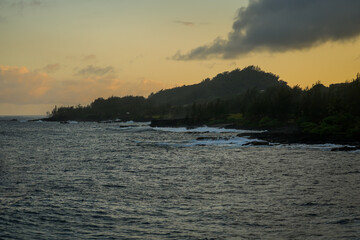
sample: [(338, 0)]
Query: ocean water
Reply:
[(131, 181)]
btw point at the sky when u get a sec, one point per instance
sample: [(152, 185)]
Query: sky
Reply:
[(70, 52)]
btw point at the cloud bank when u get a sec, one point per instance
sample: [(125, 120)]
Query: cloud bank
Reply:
[(21, 86), (91, 57), (97, 71), (51, 68), (20, 4), (185, 23), (283, 25)]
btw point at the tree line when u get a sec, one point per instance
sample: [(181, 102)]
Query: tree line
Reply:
[(244, 98)]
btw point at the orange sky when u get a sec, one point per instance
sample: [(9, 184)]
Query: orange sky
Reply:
[(71, 52)]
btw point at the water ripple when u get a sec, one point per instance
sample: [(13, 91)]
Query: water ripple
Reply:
[(94, 181)]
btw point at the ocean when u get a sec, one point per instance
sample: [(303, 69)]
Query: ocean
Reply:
[(132, 181)]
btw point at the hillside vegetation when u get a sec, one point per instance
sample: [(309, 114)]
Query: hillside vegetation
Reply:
[(224, 85), (244, 98)]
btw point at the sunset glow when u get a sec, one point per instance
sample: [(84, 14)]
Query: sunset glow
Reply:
[(72, 52)]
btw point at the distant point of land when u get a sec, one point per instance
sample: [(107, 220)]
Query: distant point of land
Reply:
[(242, 98)]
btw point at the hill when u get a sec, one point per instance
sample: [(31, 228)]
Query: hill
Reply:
[(247, 98), (224, 85)]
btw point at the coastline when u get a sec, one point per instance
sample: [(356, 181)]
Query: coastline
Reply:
[(290, 134)]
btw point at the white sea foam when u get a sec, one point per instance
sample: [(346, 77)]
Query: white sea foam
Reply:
[(225, 142), (131, 126), (134, 129), (236, 141), (134, 124), (204, 129), (145, 126), (246, 142), (325, 146), (216, 140), (72, 122)]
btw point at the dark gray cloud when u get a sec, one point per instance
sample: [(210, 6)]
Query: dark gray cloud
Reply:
[(24, 4), (189, 24), (91, 57), (93, 70), (2, 19), (283, 25), (185, 23), (21, 4), (51, 68)]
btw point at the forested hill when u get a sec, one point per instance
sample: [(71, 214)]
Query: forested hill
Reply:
[(244, 98), (224, 85)]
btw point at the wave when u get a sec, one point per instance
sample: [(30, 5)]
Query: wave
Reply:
[(133, 129), (132, 123), (216, 138), (131, 126), (145, 126), (72, 122), (246, 142), (235, 141), (204, 129), (325, 146), (224, 142)]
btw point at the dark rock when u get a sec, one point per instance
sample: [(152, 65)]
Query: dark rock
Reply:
[(170, 123), (211, 138), (344, 149), (106, 121), (289, 137), (257, 143)]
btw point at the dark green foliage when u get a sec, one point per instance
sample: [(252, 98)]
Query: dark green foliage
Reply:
[(246, 98), (320, 110), (224, 85), (125, 108)]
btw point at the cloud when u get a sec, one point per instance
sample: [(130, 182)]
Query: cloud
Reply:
[(51, 68), (2, 19), (143, 87), (185, 23), (93, 70), (232, 64), (283, 25), (188, 23), (35, 3), (91, 57), (21, 4), (208, 65), (85, 90), (21, 86), (136, 58)]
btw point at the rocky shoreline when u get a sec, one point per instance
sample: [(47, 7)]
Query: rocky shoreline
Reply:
[(301, 138), (280, 135)]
